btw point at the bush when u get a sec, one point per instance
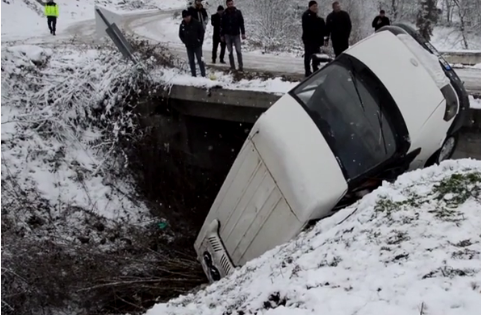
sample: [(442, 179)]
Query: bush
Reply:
[(75, 255)]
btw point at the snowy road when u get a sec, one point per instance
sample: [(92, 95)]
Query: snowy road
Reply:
[(138, 24), (150, 25)]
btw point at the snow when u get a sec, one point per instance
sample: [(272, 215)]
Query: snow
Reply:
[(18, 20), (450, 39), (447, 39), (30, 52), (51, 166), (22, 19), (475, 103), (51, 147), (164, 30), (411, 247), (219, 79)]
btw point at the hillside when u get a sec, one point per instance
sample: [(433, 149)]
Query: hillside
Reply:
[(24, 18), (411, 247)]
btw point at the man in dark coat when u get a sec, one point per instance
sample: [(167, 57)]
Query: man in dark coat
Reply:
[(380, 20), (215, 21), (198, 13), (313, 32), (231, 30), (191, 33), (339, 27)]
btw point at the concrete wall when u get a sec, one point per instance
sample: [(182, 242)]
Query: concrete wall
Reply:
[(462, 57), (241, 106), (211, 126)]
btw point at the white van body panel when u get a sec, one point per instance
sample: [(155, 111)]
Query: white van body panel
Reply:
[(419, 97), (416, 97), (284, 176)]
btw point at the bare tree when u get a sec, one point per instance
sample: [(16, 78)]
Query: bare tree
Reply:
[(277, 22)]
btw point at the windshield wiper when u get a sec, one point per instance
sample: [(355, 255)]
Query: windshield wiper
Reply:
[(379, 119), (379, 112), (354, 82)]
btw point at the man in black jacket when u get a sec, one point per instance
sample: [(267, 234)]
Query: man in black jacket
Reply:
[(198, 13), (380, 20), (313, 32), (231, 30), (191, 33), (215, 21), (339, 27)]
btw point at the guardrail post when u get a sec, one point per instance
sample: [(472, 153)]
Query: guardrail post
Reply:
[(118, 38)]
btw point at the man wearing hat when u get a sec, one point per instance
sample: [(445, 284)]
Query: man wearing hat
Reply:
[(215, 21), (191, 33), (313, 32), (198, 13)]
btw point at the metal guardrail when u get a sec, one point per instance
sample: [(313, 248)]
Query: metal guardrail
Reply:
[(462, 57), (118, 38)]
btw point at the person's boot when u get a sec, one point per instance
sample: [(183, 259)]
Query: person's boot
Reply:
[(222, 61), (241, 64), (231, 61), (202, 69), (213, 61)]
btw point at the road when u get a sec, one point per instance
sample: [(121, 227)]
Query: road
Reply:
[(84, 31), (255, 62)]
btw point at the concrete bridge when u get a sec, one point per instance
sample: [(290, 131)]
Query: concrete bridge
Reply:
[(467, 57), (211, 125)]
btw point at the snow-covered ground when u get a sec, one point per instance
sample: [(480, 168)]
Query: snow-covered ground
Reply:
[(411, 247), (23, 19), (475, 103), (51, 146), (220, 79), (167, 30), (20, 20)]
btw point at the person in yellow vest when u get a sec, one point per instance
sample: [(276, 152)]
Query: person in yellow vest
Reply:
[(51, 12)]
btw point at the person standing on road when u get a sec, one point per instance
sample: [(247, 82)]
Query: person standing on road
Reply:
[(313, 32), (215, 20), (231, 30), (191, 33), (380, 20), (339, 27), (51, 12), (197, 12)]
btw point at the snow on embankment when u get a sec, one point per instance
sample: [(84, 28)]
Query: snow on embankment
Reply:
[(21, 20), (74, 229), (411, 247), (59, 130)]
